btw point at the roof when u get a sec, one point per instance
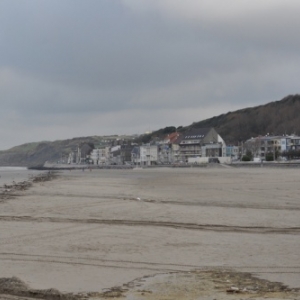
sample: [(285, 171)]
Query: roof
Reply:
[(172, 137), (136, 150), (196, 133)]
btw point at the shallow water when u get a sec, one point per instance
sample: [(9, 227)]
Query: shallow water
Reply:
[(17, 174)]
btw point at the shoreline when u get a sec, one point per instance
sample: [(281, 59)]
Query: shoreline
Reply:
[(54, 166)]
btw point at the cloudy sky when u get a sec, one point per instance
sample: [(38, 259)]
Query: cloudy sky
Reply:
[(72, 68)]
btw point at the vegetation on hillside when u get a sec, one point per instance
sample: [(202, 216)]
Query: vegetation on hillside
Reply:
[(35, 154), (276, 118)]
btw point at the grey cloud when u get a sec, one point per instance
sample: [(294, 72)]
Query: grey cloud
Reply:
[(64, 61)]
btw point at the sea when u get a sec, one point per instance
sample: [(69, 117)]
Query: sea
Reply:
[(16, 174)]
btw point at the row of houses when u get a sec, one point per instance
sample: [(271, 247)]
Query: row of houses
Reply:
[(198, 145), (195, 146)]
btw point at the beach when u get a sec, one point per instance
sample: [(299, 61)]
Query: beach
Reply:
[(157, 233)]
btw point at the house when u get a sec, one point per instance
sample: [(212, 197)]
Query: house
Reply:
[(200, 143), (164, 154), (100, 156), (148, 154), (172, 140), (125, 153), (233, 152), (115, 155), (168, 148), (260, 146), (135, 155), (145, 155)]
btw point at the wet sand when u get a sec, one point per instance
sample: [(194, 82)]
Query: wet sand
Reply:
[(155, 233)]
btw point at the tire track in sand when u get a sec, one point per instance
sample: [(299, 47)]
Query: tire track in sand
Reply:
[(139, 265), (174, 225)]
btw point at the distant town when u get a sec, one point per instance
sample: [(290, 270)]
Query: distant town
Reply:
[(197, 146)]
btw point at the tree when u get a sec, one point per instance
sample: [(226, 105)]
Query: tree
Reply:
[(248, 156)]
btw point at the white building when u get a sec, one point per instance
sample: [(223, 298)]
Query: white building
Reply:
[(100, 156), (201, 143), (148, 155), (261, 146)]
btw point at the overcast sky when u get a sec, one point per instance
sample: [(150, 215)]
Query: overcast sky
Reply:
[(71, 68)]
